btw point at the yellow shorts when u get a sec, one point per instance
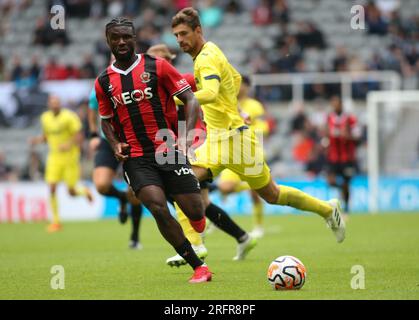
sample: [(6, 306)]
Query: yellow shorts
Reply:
[(229, 176), (237, 150), (58, 170)]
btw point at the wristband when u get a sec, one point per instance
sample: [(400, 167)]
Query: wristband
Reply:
[(93, 135)]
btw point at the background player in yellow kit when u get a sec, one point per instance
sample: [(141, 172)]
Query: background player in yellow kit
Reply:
[(230, 182), (229, 143), (61, 130)]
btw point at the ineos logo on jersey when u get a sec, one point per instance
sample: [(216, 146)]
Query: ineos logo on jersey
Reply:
[(133, 96), (184, 171)]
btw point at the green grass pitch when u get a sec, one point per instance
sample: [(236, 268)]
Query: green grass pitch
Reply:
[(98, 264)]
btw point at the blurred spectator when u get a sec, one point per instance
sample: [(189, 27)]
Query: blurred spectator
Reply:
[(26, 80), (88, 69), (72, 72), (299, 119), (375, 22), (97, 9), (34, 168), (6, 170), (2, 70), (341, 59), (102, 49), (17, 69), (233, 7), (180, 4), (147, 36), (280, 12), (35, 68), (55, 71), (78, 8), (46, 36), (211, 15), (309, 36), (115, 8), (387, 7), (131, 8), (262, 14)]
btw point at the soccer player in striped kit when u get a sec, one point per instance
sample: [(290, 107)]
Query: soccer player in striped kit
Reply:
[(136, 105)]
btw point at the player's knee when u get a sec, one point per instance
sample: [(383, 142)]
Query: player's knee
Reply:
[(226, 188), (132, 198), (72, 192), (197, 209), (102, 188), (271, 197), (158, 210)]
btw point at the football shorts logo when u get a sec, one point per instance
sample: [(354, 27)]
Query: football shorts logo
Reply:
[(184, 171), (145, 77)]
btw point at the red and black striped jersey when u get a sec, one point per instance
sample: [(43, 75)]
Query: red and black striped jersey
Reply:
[(140, 101), (341, 148)]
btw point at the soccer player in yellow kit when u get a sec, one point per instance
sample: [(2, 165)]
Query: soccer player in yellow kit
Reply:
[(61, 130), (229, 143), (230, 182)]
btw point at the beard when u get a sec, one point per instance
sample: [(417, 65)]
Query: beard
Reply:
[(125, 56)]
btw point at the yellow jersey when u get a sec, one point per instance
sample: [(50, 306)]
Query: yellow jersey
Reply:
[(211, 66), (256, 111), (59, 130)]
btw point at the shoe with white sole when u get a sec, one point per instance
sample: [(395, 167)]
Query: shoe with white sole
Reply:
[(244, 248), (336, 222), (177, 260), (135, 245)]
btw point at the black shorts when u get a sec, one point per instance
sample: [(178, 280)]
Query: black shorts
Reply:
[(346, 170), (105, 156), (175, 178)]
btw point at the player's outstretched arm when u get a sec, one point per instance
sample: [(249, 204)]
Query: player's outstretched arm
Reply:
[(33, 141), (120, 148)]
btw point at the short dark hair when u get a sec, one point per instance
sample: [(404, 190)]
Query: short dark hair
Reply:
[(120, 21), (188, 16)]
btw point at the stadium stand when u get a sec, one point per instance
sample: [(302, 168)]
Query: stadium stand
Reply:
[(257, 36)]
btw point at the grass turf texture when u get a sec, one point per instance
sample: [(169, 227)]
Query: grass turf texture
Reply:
[(98, 264)]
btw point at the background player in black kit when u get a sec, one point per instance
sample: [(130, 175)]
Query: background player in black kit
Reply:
[(135, 96)]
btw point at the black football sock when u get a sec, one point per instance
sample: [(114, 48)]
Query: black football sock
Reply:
[(114, 192), (221, 219), (187, 253), (136, 213), (345, 195)]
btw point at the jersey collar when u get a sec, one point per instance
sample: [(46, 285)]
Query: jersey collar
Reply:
[(125, 72)]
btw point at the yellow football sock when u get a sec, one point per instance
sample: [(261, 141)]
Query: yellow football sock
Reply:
[(54, 209), (241, 186), (258, 213), (295, 198), (190, 233)]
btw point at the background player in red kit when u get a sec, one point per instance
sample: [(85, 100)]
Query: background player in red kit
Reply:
[(135, 96), (343, 133)]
